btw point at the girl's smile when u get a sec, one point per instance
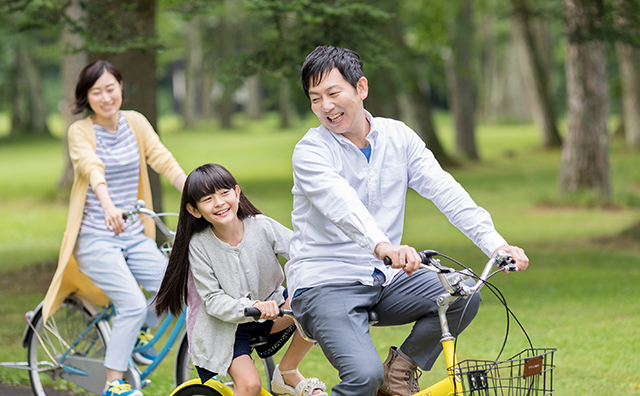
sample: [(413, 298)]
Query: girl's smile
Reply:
[(221, 210)]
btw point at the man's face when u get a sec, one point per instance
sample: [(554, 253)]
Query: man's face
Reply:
[(338, 105)]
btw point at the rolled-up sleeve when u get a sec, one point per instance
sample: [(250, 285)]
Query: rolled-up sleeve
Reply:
[(83, 156)]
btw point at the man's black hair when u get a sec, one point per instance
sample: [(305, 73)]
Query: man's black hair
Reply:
[(325, 58)]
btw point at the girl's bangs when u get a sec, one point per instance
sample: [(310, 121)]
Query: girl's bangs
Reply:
[(209, 180)]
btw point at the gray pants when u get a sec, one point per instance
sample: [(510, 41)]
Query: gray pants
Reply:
[(119, 266), (337, 317)]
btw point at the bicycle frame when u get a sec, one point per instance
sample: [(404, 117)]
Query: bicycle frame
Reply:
[(167, 347)]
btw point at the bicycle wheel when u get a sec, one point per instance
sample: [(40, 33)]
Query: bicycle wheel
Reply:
[(47, 342), (184, 370)]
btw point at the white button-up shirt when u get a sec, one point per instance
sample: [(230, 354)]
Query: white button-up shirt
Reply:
[(344, 206)]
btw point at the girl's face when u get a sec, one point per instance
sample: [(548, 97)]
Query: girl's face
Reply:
[(105, 96), (220, 208)]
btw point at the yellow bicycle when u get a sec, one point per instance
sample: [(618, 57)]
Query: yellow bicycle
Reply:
[(529, 373)]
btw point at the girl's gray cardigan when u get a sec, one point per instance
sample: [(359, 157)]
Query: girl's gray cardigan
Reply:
[(227, 279)]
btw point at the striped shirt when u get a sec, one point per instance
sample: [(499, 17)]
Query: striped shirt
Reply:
[(121, 157)]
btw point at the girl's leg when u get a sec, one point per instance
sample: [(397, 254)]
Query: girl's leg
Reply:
[(294, 354), (246, 380)]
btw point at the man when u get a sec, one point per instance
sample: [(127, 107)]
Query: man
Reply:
[(350, 181)]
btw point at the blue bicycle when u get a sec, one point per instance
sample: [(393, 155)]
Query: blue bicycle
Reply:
[(70, 346)]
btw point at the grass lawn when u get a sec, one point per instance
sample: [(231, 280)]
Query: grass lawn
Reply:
[(579, 294)]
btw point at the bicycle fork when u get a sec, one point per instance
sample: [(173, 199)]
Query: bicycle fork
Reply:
[(453, 383)]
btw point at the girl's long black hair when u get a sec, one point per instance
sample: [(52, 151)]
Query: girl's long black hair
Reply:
[(203, 180)]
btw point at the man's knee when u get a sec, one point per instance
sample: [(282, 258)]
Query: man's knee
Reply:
[(367, 375)]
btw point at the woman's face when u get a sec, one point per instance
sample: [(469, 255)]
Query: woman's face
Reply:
[(105, 96)]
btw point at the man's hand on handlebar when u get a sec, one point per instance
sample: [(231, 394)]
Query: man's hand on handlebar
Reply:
[(521, 259), (402, 256)]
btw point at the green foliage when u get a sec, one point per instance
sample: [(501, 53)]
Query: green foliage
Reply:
[(289, 30)]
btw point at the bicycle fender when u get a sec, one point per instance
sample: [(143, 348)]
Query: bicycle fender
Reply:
[(31, 317), (219, 387)]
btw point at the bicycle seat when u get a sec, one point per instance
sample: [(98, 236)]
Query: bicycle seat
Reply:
[(257, 341), (373, 318)]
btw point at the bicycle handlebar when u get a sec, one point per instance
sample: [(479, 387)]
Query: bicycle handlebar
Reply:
[(140, 208), (255, 312), (452, 280)]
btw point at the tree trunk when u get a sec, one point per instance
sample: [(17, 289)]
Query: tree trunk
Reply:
[(138, 74), (629, 60), (227, 108), (73, 61), (193, 72), (417, 111), (30, 109), (535, 75), (254, 100), (461, 82), (207, 103), (585, 155), (285, 105)]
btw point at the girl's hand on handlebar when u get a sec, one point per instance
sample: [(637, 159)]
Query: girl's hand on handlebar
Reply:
[(269, 309), (521, 259), (402, 256)]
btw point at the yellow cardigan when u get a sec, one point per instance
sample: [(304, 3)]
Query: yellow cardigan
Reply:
[(89, 169)]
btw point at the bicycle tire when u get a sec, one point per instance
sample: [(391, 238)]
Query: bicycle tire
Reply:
[(60, 330), (184, 370)]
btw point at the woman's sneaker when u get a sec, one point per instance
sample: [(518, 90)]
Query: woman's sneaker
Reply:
[(120, 388), (147, 356)]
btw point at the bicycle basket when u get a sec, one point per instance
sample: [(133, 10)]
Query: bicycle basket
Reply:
[(529, 373)]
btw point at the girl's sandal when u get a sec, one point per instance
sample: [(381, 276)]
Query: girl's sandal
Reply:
[(304, 387)]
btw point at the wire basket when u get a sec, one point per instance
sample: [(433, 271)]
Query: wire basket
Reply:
[(529, 373)]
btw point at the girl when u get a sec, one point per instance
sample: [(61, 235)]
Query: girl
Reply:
[(224, 260)]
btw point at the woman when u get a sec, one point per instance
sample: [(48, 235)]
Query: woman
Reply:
[(101, 259)]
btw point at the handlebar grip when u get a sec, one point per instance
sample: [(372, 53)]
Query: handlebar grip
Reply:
[(425, 255), (511, 267), (255, 312)]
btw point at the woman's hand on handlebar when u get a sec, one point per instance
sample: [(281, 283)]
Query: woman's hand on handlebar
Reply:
[(402, 256), (518, 255), (269, 309), (112, 215)]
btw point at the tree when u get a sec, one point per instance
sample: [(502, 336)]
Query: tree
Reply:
[(193, 72), (460, 78), (629, 60), (73, 60), (29, 110), (585, 155), (124, 34), (535, 74)]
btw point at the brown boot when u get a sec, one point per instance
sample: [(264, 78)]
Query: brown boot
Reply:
[(400, 376)]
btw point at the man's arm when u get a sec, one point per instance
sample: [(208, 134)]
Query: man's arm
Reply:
[(316, 177)]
